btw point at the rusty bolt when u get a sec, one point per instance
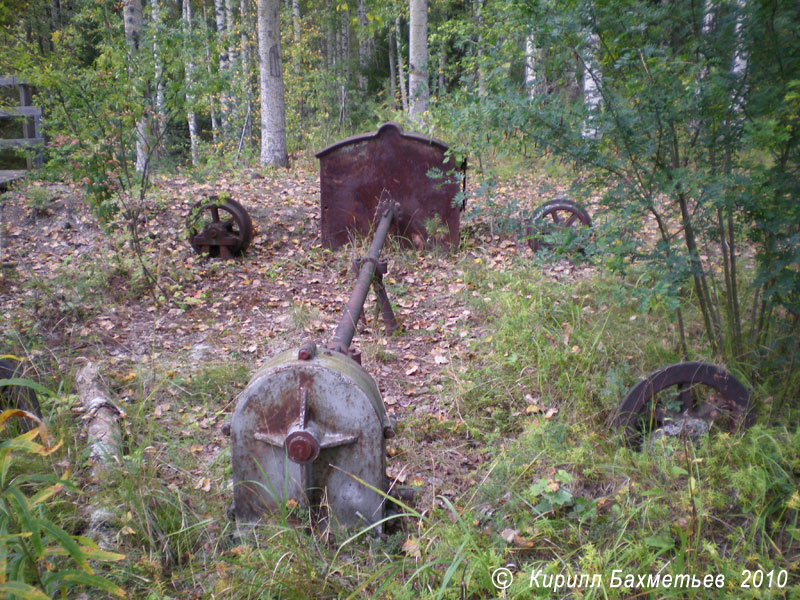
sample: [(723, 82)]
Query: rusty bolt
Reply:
[(307, 351), (302, 447)]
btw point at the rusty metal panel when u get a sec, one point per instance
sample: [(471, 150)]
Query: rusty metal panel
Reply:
[(306, 423), (356, 173)]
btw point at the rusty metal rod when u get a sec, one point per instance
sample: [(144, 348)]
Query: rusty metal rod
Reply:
[(352, 311)]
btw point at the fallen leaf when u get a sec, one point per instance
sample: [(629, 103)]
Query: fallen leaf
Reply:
[(508, 535), (411, 548)]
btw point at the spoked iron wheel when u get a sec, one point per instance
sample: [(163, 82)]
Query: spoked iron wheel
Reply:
[(219, 228), (554, 215), (685, 398)]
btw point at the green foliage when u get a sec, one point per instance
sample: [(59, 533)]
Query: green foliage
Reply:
[(38, 558), (697, 152)]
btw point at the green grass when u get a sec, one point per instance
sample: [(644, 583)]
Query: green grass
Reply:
[(559, 492)]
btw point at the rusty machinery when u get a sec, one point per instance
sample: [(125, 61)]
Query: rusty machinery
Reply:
[(552, 216), (219, 227), (311, 425), (684, 399), (355, 173)]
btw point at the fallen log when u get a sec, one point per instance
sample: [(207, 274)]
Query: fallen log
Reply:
[(102, 419)]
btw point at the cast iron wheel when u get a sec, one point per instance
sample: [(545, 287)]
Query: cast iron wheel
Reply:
[(674, 393), (219, 228), (17, 396), (552, 215)]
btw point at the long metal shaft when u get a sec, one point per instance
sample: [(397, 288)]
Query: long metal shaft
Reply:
[(352, 311)]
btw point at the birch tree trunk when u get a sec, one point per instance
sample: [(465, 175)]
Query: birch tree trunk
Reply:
[(215, 129), (530, 67), (246, 88), (344, 45), (363, 45), (158, 71), (591, 85), (440, 84), (479, 48), (401, 70), (392, 69), (418, 59), (132, 16), (221, 19), (273, 116), (296, 57), (191, 116)]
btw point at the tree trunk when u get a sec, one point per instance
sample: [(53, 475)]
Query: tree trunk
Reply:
[(392, 78), (160, 123), (591, 85), (102, 420), (401, 70), (132, 15), (418, 59), (344, 45), (363, 45), (215, 129), (530, 67), (246, 88), (296, 56), (191, 116), (273, 117), (440, 84), (480, 52), (220, 19)]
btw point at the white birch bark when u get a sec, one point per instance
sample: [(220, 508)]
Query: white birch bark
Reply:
[(401, 70), (392, 69), (592, 79), (220, 19), (296, 58), (418, 59), (215, 128), (273, 115), (132, 16), (363, 45), (530, 67), (158, 73), (740, 58), (246, 89), (230, 30), (191, 116), (479, 49)]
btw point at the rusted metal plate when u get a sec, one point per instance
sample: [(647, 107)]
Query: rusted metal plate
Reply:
[(306, 426), (642, 406), (356, 173)]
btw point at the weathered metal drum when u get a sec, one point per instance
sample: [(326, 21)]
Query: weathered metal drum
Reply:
[(306, 426), (357, 172)]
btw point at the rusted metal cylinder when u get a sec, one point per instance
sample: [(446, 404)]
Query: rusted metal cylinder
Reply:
[(352, 311)]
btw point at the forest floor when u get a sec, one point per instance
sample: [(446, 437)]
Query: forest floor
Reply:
[(70, 284), (503, 376)]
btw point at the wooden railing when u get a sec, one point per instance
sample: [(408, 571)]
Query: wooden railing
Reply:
[(32, 116)]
